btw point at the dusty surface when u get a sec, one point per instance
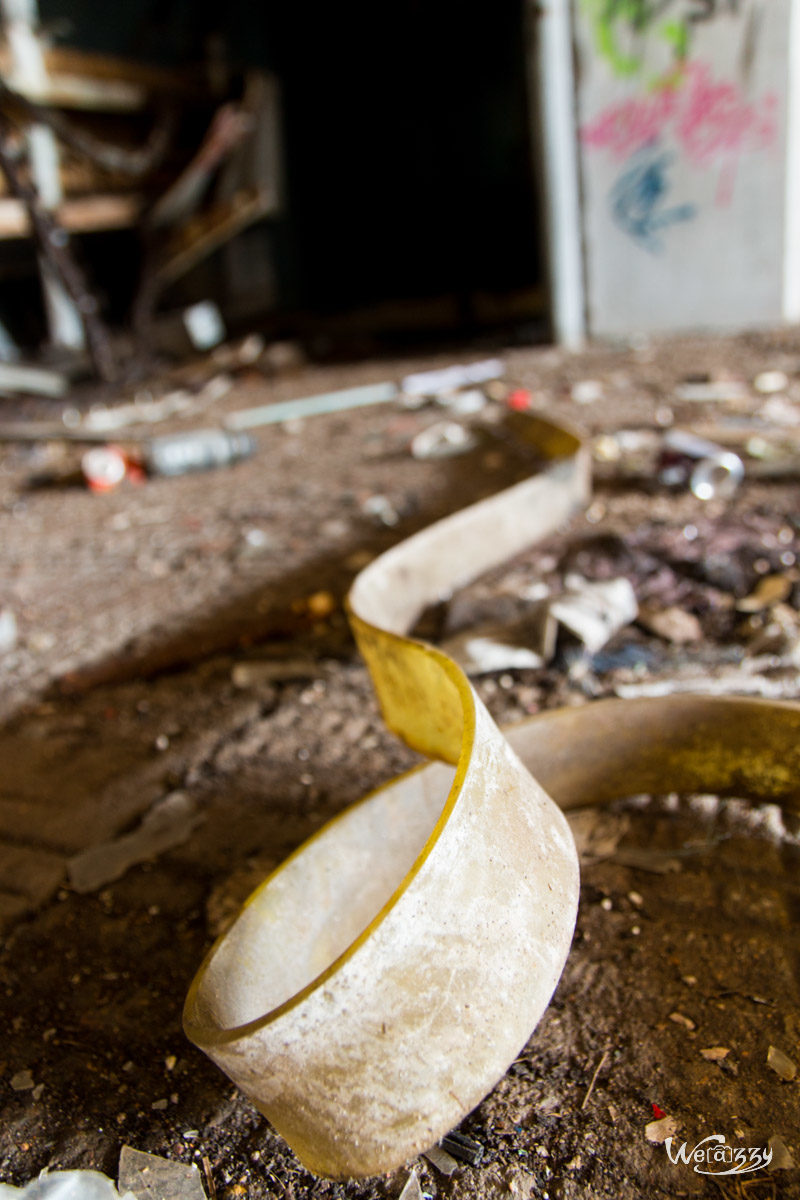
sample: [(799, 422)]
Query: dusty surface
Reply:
[(140, 615)]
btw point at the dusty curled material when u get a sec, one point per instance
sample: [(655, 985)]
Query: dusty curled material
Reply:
[(381, 981)]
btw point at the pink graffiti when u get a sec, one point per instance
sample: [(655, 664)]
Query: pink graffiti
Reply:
[(711, 121)]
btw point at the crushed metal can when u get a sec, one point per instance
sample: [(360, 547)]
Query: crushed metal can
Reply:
[(708, 470)]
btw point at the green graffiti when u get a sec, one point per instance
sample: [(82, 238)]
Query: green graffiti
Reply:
[(676, 34), (615, 23)]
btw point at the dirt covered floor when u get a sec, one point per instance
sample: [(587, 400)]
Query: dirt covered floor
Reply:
[(182, 656)]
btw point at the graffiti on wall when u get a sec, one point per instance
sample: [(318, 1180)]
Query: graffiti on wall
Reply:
[(709, 120), (711, 123), (639, 199), (620, 27)]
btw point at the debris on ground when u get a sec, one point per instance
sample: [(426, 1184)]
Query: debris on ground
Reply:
[(165, 581), (169, 823), (782, 1157), (67, 1185), (659, 1130), (595, 611), (445, 1163), (443, 440), (149, 1177), (781, 1064)]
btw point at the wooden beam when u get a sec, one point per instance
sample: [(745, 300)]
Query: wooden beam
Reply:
[(82, 214)]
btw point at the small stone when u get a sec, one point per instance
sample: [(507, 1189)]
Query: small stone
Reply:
[(161, 743), (159, 1105), (37, 1091), (606, 904), (170, 1061), (715, 1053), (680, 1019), (781, 1064), (22, 1081), (636, 899)]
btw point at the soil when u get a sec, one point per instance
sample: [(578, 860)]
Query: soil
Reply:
[(187, 635)]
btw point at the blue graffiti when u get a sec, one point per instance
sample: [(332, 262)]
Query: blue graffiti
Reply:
[(637, 199)]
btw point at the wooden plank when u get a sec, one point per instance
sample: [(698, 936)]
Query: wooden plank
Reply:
[(99, 82), (82, 214)]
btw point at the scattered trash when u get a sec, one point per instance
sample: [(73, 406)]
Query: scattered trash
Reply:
[(411, 1189), (439, 1158), (769, 382), (781, 1064), (66, 1185), (451, 379), (311, 406), (782, 1157), (680, 1019), (466, 403), (658, 1131), (673, 624), (169, 823), (8, 630), (694, 681), (594, 612), (180, 453), (770, 590), (445, 439), (779, 410), (103, 468), (715, 1053), (38, 381), (262, 670), (204, 324), (520, 400), (586, 391), (463, 1148), (597, 832), (144, 410), (149, 1177), (496, 646), (717, 391), (709, 470), (381, 509)]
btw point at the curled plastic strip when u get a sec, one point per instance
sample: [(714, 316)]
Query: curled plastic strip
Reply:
[(381, 981)]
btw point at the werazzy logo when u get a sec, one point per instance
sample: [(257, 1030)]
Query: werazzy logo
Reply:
[(713, 1156)]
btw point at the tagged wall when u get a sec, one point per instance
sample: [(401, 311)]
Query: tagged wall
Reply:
[(682, 115)]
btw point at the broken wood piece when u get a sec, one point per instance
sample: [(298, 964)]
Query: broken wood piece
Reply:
[(81, 214), (208, 231), (54, 249), (111, 157), (81, 79)]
